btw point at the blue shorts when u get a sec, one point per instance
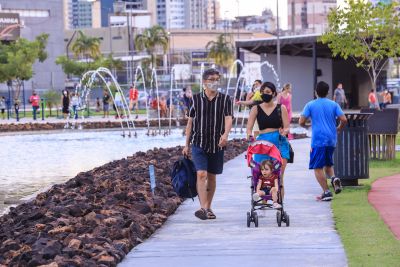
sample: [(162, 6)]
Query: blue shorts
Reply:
[(321, 157), (266, 190), (210, 162), (278, 140)]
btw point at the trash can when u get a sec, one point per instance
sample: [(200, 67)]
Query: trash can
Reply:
[(351, 157)]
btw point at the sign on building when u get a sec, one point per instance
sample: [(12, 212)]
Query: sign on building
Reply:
[(199, 58), (9, 26)]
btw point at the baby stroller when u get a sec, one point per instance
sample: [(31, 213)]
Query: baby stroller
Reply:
[(265, 148)]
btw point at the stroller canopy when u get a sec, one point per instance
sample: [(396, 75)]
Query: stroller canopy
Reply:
[(265, 148)]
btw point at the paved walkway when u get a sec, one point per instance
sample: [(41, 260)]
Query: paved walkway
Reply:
[(384, 196), (311, 240)]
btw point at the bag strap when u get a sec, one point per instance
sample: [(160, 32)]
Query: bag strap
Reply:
[(278, 106)]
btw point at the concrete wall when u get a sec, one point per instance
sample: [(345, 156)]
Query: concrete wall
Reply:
[(299, 72), (46, 75), (356, 83)]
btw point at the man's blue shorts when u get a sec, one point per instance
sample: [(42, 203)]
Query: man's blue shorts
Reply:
[(321, 157), (210, 162)]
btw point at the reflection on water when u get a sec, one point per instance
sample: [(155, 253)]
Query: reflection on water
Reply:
[(31, 162)]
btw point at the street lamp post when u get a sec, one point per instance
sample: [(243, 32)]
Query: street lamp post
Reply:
[(278, 45), (237, 1)]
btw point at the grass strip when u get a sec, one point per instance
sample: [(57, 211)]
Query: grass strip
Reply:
[(366, 238)]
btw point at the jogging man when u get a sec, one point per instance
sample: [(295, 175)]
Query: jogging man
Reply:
[(323, 113), (207, 130)]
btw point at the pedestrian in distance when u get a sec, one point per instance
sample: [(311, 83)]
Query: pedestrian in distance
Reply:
[(75, 103), (207, 131), (106, 104), (339, 96), (34, 99), (387, 99), (16, 108), (372, 101), (285, 98), (65, 101), (134, 100), (98, 104), (253, 98), (323, 114), (3, 107)]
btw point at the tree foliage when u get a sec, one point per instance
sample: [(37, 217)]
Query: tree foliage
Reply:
[(221, 50), (151, 39), (78, 68), (86, 46), (52, 99), (17, 59), (367, 33)]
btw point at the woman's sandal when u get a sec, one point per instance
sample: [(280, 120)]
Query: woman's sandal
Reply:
[(202, 214), (210, 214)]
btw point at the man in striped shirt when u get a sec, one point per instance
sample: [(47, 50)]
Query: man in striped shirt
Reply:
[(207, 130)]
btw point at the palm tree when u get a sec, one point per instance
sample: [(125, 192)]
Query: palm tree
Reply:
[(221, 51), (86, 46), (151, 39)]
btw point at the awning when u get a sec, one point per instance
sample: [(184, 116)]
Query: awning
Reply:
[(298, 45)]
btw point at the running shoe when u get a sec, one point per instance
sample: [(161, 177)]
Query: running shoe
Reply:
[(336, 184), (326, 196)]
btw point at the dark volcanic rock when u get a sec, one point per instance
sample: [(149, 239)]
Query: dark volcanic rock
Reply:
[(96, 218)]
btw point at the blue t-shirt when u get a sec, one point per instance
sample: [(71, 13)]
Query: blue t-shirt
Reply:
[(323, 113)]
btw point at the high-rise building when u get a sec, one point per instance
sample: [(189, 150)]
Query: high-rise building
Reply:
[(171, 14), (203, 14), (189, 14), (309, 16), (82, 14)]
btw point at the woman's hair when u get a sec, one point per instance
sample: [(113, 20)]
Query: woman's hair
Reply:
[(270, 86), (267, 162), (287, 86)]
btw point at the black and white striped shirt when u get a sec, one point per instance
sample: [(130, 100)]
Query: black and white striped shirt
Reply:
[(209, 120)]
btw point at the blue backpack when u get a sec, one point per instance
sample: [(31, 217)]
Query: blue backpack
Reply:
[(184, 178)]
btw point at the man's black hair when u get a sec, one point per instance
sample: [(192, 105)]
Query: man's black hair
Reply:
[(184, 89), (259, 81), (209, 73), (322, 89)]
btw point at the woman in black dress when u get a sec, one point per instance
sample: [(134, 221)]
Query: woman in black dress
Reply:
[(65, 103)]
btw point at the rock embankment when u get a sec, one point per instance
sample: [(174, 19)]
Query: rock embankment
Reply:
[(96, 218), (47, 126)]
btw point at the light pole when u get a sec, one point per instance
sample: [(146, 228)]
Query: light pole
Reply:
[(278, 45), (237, 1)]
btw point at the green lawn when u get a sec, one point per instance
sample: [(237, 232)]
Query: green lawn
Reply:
[(366, 238)]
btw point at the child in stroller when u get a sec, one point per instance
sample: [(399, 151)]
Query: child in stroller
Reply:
[(267, 184), (260, 197)]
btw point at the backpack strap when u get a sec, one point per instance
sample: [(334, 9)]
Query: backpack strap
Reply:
[(278, 106)]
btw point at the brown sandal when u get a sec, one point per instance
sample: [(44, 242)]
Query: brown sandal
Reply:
[(210, 214), (201, 214)]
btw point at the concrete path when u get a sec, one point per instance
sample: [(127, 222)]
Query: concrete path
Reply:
[(384, 196), (311, 239)]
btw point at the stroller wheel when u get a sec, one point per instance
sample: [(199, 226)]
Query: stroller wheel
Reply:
[(286, 216), (248, 219), (279, 218), (255, 216)]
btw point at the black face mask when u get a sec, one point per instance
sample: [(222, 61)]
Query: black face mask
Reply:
[(266, 98)]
